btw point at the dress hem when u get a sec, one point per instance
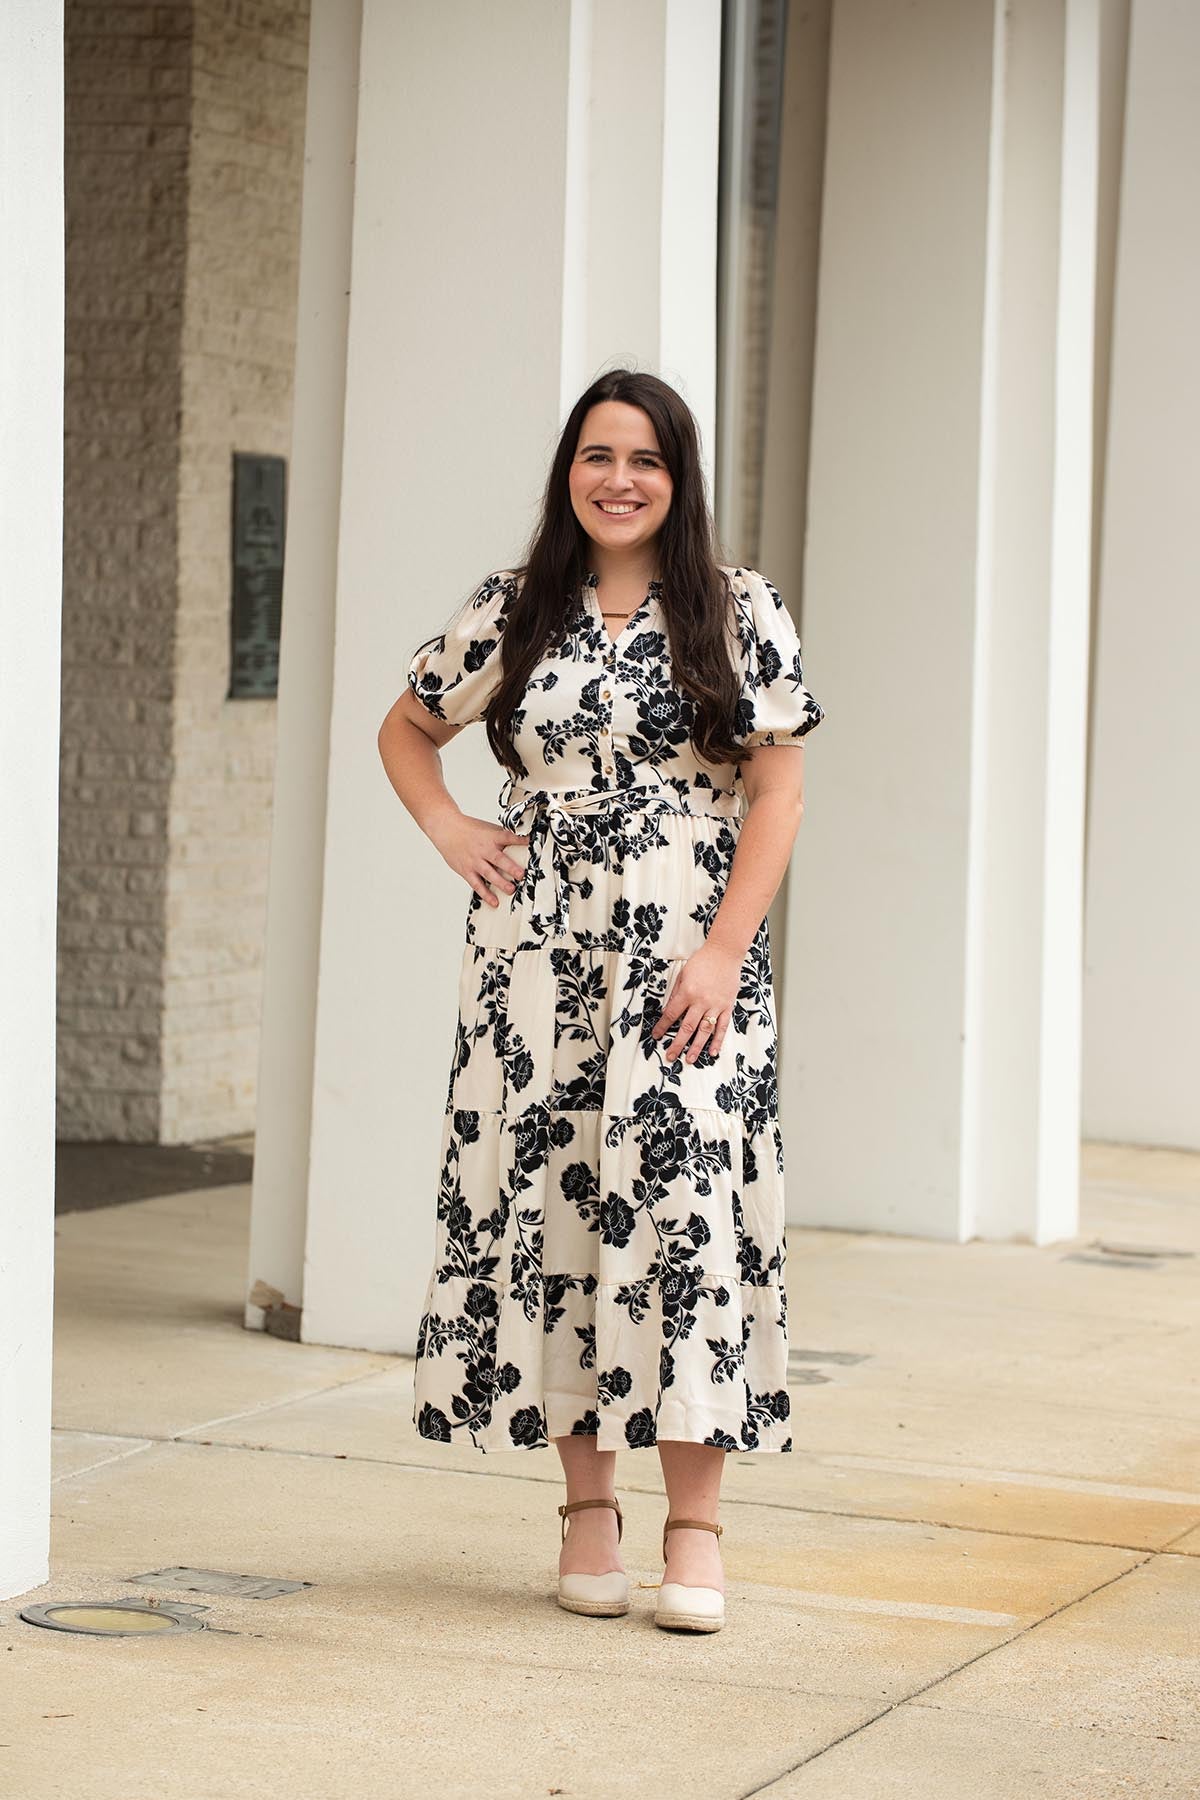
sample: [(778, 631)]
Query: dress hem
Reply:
[(621, 1445)]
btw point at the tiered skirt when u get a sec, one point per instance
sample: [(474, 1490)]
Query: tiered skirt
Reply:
[(610, 1223)]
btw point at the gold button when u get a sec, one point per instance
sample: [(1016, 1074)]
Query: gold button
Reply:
[(606, 695)]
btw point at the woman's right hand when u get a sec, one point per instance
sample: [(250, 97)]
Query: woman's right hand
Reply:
[(474, 849)]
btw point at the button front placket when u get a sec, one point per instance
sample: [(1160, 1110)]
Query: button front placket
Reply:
[(608, 765)]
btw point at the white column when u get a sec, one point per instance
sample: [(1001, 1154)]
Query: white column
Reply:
[(934, 941), (452, 398), (31, 481), (284, 1107), (687, 249), (640, 241), (508, 242), (1142, 982)]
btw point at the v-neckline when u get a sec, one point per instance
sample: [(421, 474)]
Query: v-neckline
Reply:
[(592, 583)]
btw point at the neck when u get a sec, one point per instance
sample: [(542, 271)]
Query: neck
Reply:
[(635, 567)]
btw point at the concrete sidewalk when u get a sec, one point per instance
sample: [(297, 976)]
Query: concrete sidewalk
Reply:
[(978, 1576)]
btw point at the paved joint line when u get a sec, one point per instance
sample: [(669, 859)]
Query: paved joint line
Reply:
[(133, 1446), (1169, 1547), (415, 1468), (1032, 1478), (253, 1412), (765, 1787), (900, 1609)]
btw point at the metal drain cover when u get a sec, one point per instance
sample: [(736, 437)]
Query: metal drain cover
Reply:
[(111, 1618), (220, 1581)]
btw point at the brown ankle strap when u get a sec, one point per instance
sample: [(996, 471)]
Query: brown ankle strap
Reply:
[(573, 1506), (690, 1525)]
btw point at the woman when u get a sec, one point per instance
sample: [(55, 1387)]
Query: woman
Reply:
[(610, 1249)]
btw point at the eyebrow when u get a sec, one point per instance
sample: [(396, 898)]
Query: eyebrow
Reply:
[(586, 447)]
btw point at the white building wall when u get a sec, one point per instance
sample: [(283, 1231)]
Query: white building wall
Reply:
[(31, 518), (876, 941), (934, 929), (1142, 979)]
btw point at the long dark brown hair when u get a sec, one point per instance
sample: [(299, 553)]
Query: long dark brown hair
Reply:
[(695, 594)]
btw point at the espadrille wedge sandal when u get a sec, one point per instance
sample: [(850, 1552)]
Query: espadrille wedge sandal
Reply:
[(682, 1608), (596, 1596)]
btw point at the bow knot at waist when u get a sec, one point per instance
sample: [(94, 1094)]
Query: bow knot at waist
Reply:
[(714, 802), (569, 825)]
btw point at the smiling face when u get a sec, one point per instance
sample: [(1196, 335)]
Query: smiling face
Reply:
[(620, 485)]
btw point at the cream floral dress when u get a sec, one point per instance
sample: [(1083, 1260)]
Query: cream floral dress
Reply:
[(610, 1248)]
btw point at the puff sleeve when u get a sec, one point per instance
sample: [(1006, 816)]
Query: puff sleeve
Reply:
[(774, 706), (455, 674)]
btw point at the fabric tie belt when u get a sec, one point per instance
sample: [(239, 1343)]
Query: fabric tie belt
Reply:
[(560, 824)]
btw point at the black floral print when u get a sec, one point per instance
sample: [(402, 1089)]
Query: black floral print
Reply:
[(610, 1248)]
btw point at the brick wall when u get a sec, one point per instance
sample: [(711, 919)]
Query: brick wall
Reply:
[(249, 81), (184, 162), (128, 99)]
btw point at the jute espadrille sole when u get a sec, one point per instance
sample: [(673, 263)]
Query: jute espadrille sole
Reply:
[(595, 1596), (682, 1608)]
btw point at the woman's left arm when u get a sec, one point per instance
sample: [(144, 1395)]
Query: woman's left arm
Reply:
[(710, 978)]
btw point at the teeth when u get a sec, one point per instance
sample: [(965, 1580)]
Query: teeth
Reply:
[(614, 507)]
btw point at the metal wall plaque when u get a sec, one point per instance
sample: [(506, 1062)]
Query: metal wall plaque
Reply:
[(259, 500)]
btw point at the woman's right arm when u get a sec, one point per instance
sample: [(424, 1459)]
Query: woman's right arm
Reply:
[(410, 742)]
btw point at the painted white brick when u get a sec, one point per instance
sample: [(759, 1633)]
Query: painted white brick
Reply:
[(184, 167)]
